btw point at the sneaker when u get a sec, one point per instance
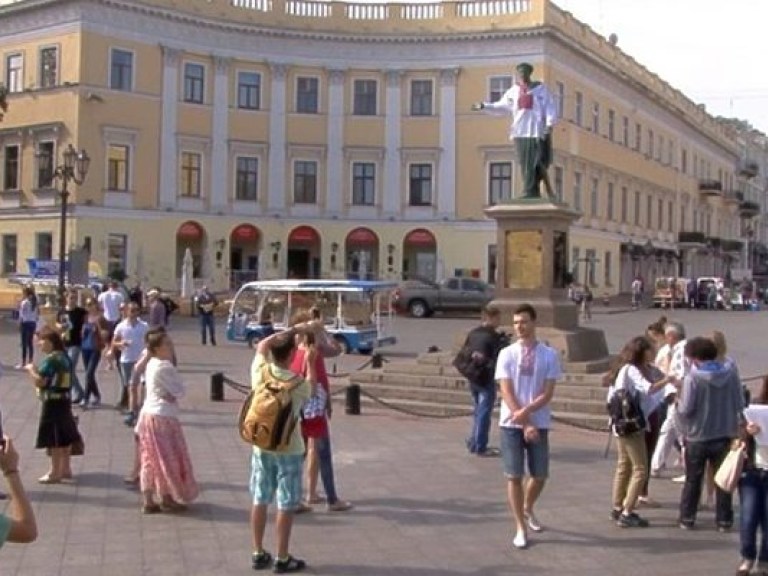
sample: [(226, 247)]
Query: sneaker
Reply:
[(290, 564), (520, 541), (130, 420), (686, 525), (96, 402), (83, 404), (19, 366), (724, 527), (340, 506), (533, 522), (648, 502), (261, 560), (302, 508), (489, 453), (679, 479), (615, 514), (631, 521)]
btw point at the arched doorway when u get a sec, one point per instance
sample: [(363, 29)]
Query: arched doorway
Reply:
[(362, 254), (190, 235), (244, 251), (303, 253), (420, 254)]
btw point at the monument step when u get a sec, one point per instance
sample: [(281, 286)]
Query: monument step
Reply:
[(420, 368), (453, 397), (418, 407), (580, 379), (581, 392), (574, 405), (589, 421), (404, 379)]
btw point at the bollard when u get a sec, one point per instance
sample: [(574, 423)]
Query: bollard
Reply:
[(377, 360), (217, 387), (353, 400)]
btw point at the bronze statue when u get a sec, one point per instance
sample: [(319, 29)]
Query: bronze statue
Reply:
[(533, 112)]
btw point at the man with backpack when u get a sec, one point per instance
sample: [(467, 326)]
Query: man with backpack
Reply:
[(277, 472), (481, 347)]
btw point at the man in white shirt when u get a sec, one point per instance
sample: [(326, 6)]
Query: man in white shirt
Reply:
[(129, 339), (533, 112), (111, 303), (527, 371)]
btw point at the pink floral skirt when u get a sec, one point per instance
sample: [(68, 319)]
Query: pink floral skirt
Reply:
[(166, 469)]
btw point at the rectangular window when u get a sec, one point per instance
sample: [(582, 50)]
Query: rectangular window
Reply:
[(559, 183), (596, 118), (638, 137), (650, 143), (10, 256), (363, 184), (637, 208), (624, 204), (577, 191), (121, 70), (609, 203), (14, 72), (307, 95), (117, 253), (660, 213), (607, 268), (49, 64), (498, 85), (593, 198), (365, 97), (660, 148), (670, 216), (421, 97), (499, 182), (611, 125), (44, 246), (191, 174), (45, 161), (578, 113), (304, 182), (590, 256), (625, 131), (11, 168), (575, 258), (118, 163), (682, 217), (560, 91), (420, 185), (684, 161), (194, 83), (649, 211), (247, 179), (249, 90)]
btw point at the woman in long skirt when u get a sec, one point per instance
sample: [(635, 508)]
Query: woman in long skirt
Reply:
[(166, 469)]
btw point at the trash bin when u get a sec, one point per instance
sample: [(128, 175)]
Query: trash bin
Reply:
[(353, 400), (217, 387)]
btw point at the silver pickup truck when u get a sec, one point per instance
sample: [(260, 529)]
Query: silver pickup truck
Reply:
[(421, 298)]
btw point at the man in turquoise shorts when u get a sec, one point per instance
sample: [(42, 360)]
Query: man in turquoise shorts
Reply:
[(19, 525), (273, 473)]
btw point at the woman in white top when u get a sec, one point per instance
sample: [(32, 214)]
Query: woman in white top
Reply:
[(166, 469), (634, 373), (28, 315)]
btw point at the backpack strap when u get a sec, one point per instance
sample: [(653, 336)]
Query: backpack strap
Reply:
[(267, 374)]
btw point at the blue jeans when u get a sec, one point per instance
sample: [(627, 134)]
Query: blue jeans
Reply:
[(27, 331), (74, 356), (91, 360), (753, 496), (697, 454), (516, 451), (483, 397), (208, 326), (325, 461)]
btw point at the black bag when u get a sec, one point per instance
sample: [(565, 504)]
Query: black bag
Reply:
[(472, 369), (625, 412)]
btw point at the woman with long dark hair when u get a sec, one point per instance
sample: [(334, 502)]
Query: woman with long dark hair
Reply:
[(634, 373), (28, 316)]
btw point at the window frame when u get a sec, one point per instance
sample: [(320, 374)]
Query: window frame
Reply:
[(38, 181), (297, 94), (9, 266), (113, 50), (577, 190), (500, 92), (123, 258), (17, 73), (238, 196), (578, 108), (44, 254), (128, 166), (494, 180), (6, 172), (414, 109), (360, 100), (57, 60), (308, 197), (368, 183), (190, 83), (420, 179), (240, 104), (183, 168)]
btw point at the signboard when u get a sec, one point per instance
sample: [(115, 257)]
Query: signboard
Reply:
[(523, 270)]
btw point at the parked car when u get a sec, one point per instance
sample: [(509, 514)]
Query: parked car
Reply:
[(421, 298)]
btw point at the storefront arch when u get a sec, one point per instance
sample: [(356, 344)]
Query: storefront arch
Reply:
[(303, 258), (420, 254), (192, 235), (361, 248), (245, 246)]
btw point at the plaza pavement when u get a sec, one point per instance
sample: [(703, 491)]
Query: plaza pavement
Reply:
[(423, 506)]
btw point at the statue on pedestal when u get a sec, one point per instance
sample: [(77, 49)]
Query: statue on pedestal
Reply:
[(533, 111)]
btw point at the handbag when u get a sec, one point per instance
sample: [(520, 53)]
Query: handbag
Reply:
[(729, 472)]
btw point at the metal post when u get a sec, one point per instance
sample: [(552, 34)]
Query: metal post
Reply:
[(63, 244), (217, 387), (352, 405)]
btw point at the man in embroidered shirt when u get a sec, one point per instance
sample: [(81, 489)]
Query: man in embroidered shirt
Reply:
[(526, 371), (533, 112)]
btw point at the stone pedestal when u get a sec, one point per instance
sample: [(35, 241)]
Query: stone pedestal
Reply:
[(532, 249)]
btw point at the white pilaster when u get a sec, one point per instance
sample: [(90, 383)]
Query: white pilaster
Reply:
[(277, 169), (220, 134), (446, 174), (334, 202), (391, 202), (168, 151)]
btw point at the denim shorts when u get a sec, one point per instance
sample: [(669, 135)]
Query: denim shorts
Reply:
[(276, 474), (515, 451)]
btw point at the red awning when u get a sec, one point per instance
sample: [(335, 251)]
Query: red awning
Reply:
[(245, 233), (303, 234), (190, 231), (420, 237), (362, 236)]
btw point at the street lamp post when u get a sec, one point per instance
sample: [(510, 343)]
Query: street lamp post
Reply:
[(74, 169)]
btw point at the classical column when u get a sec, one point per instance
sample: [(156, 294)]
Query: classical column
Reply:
[(334, 201), (446, 175), (276, 180), (168, 152), (220, 134), (390, 204)]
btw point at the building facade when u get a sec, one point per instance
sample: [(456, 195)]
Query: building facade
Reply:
[(307, 138)]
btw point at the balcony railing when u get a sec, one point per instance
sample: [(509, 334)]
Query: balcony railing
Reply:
[(691, 237), (749, 209), (748, 168), (710, 187)]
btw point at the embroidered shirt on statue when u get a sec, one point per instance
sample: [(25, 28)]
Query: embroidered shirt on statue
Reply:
[(528, 368), (532, 108)]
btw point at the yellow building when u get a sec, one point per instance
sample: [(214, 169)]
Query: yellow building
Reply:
[(327, 139)]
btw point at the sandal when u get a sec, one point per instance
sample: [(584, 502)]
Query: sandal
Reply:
[(290, 564), (151, 509)]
